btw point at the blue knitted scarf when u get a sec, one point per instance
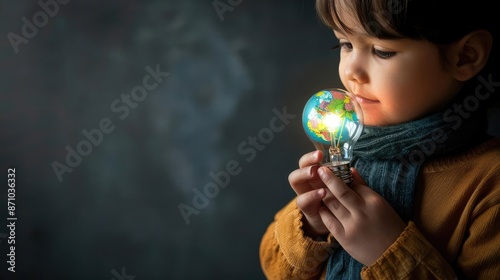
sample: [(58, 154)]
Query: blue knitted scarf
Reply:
[(389, 159)]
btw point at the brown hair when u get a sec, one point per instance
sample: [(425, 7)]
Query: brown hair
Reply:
[(439, 21)]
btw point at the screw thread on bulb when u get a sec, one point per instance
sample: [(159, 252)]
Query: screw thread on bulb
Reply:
[(342, 170)]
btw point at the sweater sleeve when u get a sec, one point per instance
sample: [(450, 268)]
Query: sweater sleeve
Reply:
[(411, 256), (285, 253), (480, 254)]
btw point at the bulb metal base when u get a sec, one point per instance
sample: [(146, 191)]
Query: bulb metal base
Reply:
[(342, 170)]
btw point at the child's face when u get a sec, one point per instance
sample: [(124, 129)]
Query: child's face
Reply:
[(395, 80)]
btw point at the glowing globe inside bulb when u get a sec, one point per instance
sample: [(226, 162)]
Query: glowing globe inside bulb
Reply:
[(332, 122), (332, 115)]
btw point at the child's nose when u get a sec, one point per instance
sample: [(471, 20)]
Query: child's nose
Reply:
[(355, 68)]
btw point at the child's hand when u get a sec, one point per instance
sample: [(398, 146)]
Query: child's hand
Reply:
[(362, 221), (310, 191)]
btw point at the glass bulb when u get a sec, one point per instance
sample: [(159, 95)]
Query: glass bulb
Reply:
[(333, 121)]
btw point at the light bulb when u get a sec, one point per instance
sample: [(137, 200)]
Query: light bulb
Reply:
[(333, 121)]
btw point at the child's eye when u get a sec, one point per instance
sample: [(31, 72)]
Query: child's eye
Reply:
[(383, 54), (345, 45)]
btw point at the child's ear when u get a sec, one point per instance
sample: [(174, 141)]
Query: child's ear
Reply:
[(470, 54)]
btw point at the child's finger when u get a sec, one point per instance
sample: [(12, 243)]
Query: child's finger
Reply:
[(332, 223), (311, 201), (311, 158), (300, 179), (334, 205), (347, 197)]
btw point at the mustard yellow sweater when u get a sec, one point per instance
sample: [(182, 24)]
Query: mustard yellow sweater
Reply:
[(455, 233)]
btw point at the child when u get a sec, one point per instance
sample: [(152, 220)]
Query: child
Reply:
[(425, 200)]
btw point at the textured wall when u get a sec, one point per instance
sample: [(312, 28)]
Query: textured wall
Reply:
[(113, 211)]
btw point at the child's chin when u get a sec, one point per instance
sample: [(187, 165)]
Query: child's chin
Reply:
[(377, 121)]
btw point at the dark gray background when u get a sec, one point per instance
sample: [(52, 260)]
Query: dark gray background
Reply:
[(116, 215), (118, 209)]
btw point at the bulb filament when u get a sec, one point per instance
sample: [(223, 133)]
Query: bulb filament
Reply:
[(334, 150)]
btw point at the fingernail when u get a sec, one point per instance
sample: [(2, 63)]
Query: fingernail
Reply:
[(322, 173), (321, 192), (316, 155)]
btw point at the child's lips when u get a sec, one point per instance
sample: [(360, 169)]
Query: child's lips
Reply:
[(364, 100)]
